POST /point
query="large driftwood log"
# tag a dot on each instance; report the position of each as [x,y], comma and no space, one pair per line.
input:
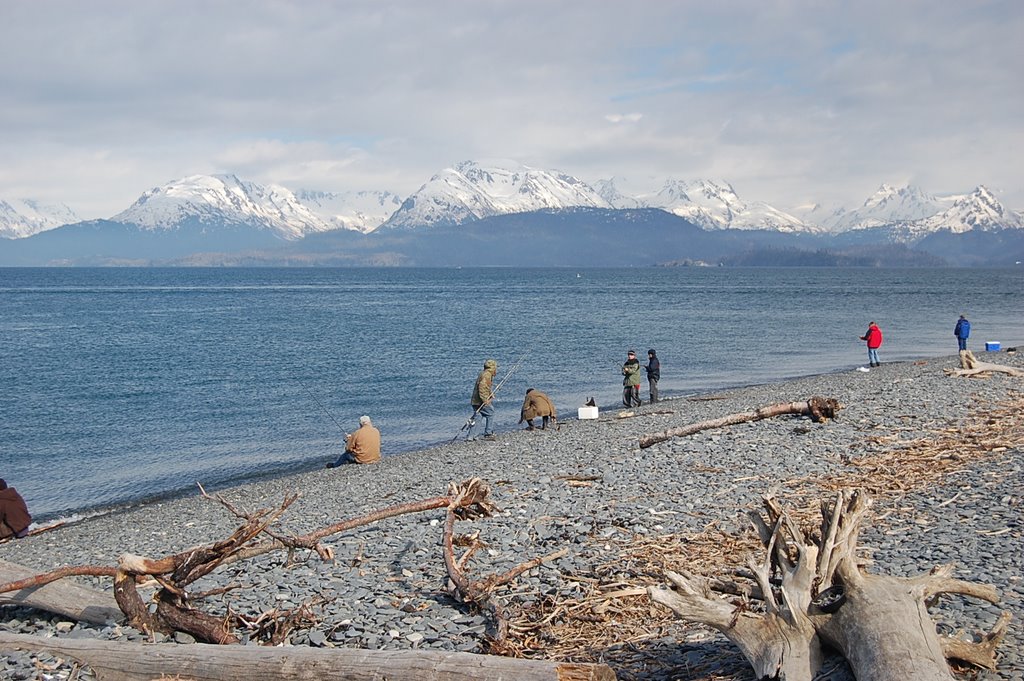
[813,587]
[818,408]
[145,662]
[972,367]
[63,598]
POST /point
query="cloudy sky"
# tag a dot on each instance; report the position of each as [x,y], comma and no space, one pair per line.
[790,101]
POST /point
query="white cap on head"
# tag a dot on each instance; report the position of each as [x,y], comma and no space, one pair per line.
[363,420]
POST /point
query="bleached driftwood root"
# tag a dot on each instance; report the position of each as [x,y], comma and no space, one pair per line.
[818,408]
[971,366]
[120,661]
[814,591]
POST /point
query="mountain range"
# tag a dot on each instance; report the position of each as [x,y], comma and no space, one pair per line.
[223,219]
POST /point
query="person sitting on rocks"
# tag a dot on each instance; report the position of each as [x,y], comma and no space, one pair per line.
[14,516]
[362,446]
[537,404]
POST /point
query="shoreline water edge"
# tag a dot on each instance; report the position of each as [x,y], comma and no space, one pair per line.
[589,488]
[130,384]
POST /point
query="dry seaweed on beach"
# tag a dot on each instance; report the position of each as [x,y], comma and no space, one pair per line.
[898,466]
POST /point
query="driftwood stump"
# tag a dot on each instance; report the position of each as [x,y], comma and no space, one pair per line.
[971,366]
[814,591]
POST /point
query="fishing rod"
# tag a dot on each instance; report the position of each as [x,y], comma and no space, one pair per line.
[471,421]
[323,408]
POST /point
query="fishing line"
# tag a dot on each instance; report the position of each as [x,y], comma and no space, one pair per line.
[322,407]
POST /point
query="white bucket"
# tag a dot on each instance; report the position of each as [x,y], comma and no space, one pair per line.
[586,413]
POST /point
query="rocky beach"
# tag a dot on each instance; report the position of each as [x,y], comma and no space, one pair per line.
[940,455]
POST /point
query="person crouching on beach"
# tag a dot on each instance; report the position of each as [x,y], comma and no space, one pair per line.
[631,380]
[14,516]
[873,336]
[482,400]
[362,446]
[537,404]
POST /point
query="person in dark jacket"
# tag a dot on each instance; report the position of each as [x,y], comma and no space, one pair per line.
[962,330]
[653,367]
[14,517]
[631,380]
[537,404]
[873,336]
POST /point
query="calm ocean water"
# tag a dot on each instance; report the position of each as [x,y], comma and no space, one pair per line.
[120,385]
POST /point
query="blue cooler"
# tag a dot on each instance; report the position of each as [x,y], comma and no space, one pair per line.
[992,346]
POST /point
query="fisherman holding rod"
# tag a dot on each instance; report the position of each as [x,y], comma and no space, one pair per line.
[483,396]
[362,446]
[482,400]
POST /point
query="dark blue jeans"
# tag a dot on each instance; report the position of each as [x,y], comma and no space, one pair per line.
[346,457]
[962,342]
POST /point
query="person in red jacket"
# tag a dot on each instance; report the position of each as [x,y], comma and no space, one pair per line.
[873,336]
[14,517]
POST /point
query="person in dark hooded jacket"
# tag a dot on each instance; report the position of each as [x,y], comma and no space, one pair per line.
[962,331]
[653,367]
[14,517]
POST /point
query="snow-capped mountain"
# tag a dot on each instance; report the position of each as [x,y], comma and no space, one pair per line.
[979,210]
[470,191]
[362,211]
[889,205]
[474,190]
[223,200]
[709,204]
[910,214]
[24,217]
[610,192]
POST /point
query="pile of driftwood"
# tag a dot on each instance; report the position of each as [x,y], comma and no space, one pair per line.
[176,609]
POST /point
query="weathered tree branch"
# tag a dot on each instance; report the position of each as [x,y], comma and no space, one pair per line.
[45,592]
[480,592]
[818,408]
[981,654]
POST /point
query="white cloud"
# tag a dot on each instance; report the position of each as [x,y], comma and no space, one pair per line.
[790,102]
[624,118]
